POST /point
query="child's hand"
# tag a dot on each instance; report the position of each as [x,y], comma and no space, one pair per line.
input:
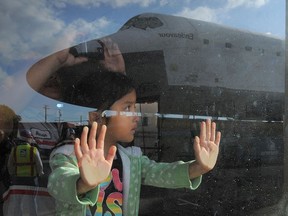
[207,146]
[94,167]
[66,59]
[113,60]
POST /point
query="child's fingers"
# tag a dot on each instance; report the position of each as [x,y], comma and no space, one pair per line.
[106,45]
[196,145]
[77,149]
[116,50]
[81,59]
[213,132]
[208,130]
[100,140]
[203,131]
[92,136]
[83,141]
[111,154]
[218,138]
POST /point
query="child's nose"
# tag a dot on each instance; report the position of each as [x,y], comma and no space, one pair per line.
[136,118]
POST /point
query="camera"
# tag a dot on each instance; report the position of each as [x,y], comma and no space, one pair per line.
[91,49]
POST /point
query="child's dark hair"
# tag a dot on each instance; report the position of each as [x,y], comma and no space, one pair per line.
[101,89]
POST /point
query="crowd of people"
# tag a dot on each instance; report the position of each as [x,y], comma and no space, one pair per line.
[22,164]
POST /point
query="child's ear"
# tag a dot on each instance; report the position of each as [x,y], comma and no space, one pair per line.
[95,116]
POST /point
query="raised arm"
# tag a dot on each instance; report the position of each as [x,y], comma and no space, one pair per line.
[42,75]
[206,148]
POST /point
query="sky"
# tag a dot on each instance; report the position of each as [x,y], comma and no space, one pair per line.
[33,29]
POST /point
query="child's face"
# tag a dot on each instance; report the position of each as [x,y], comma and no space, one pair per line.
[122,127]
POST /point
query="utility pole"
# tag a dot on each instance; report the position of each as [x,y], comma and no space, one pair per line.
[45,112]
[60,115]
[59,105]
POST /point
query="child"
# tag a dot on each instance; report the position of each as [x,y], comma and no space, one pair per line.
[104,174]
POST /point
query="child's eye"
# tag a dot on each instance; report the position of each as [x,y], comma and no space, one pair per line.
[130,108]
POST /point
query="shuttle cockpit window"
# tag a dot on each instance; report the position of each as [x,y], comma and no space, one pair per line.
[143,23]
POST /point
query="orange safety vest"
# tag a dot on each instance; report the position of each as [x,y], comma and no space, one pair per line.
[24,161]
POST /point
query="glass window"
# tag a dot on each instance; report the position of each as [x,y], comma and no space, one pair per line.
[151,71]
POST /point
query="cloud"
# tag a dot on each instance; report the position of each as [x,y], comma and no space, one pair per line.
[231,4]
[214,14]
[23,32]
[80,30]
[6,82]
[97,3]
[14,92]
[200,13]
[121,3]
[31,29]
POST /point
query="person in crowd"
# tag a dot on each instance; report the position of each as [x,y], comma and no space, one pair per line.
[8,130]
[24,159]
[25,167]
[66,141]
[67,135]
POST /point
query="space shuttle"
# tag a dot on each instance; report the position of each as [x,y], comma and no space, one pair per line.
[169,55]
[197,53]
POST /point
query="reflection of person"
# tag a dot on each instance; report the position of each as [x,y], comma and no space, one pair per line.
[8,127]
[24,166]
[67,135]
[43,78]
[104,174]
[24,159]
[67,138]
